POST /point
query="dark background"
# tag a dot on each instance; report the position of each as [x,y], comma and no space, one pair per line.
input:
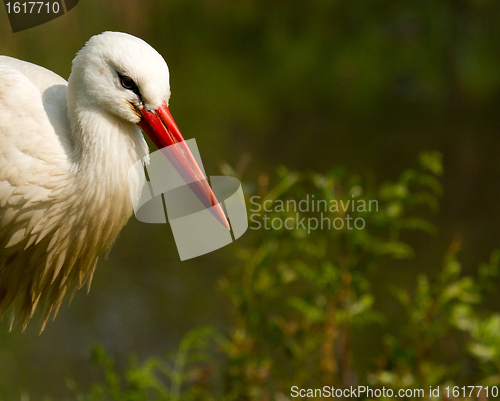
[310,85]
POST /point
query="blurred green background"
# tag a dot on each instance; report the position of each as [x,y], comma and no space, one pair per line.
[310,85]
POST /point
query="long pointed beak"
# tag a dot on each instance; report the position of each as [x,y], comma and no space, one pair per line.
[161,128]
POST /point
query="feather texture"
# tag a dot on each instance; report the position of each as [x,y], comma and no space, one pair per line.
[64,166]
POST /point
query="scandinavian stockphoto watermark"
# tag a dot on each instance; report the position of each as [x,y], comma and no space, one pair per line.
[309,214]
[161,194]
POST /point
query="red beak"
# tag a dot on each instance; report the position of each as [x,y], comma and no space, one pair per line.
[161,128]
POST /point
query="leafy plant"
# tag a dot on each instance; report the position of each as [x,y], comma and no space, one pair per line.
[187,372]
[301,292]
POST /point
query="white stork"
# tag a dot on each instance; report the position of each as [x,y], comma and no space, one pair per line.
[65,153]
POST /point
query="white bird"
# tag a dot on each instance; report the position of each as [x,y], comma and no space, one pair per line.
[65,153]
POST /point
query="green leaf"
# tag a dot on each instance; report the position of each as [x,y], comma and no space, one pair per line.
[432,161]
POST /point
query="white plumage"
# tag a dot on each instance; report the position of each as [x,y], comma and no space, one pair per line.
[65,154]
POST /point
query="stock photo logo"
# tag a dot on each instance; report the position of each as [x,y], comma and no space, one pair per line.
[28,14]
[309,214]
[170,195]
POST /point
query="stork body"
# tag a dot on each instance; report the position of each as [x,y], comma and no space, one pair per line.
[65,154]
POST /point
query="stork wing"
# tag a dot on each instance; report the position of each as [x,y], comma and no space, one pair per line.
[35,153]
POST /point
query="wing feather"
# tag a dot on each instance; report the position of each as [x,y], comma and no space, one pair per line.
[35,149]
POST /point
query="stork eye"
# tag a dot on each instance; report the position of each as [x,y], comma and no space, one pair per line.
[127,82]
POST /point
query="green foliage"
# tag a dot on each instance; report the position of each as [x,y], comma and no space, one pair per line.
[299,295]
[157,378]
[437,310]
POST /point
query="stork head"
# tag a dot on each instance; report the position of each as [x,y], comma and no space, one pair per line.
[120,74]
